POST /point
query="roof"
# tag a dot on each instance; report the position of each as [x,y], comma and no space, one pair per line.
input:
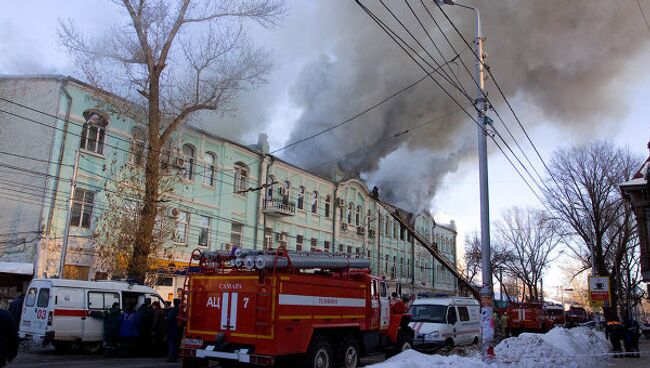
[110,285]
[446,301]
[640,177]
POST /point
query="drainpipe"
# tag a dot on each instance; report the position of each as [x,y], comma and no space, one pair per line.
[47,221]
[335,205]
[260,173]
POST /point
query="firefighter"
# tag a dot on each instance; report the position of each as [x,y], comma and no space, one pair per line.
[158,329]
[615,333]
[112,329]
[172,331]
[398,305]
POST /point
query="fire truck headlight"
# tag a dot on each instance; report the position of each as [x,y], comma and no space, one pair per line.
[219,337]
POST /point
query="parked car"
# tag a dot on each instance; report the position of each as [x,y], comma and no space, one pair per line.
[65,312]
[445,322]
[645,329]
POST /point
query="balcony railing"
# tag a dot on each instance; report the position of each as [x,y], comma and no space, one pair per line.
[279,207]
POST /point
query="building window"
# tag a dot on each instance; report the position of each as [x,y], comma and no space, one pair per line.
[340,248]
[386,264]
[182,222]
[204,235]
[314,203]
[188,165]
[369,220]
[210,169]
[402,232]
[285,190]
[314,244]
[269,188]
[349,250]
[326,246]
[138,144]
[241,178]
[93,132]
[82,208]
[408,267]
[299,242]
[350,213]
[268,239]
[357,216]
[386,228]
[236,231]
[284,240]
[395,230]
[301,198]
[328,206]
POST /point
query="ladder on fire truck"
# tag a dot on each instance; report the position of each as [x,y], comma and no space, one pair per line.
[463,283]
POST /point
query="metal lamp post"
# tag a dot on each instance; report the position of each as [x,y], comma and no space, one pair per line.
[487,294]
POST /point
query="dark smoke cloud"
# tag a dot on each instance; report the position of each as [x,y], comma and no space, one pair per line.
[563,57]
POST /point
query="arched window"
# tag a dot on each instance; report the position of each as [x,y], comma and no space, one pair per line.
[350,209]
[138,139]
[188,167]
[314,203]
[286,189]
[269,187]
[357,216]
[328,206]
[210,169]
[301,198]
[241,178]
[93,133]
[386,227]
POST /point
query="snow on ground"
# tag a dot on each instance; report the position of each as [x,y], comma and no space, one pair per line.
[566,348]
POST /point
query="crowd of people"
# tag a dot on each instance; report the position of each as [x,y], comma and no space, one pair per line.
[151,330]
[627,332]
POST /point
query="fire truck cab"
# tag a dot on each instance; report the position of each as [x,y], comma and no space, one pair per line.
[322,310]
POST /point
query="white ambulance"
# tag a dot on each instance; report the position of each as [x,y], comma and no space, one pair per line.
[445,322]
[66,312]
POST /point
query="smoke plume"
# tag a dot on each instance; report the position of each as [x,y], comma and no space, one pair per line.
[565,58]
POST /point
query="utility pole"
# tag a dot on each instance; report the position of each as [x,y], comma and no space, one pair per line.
[66,229]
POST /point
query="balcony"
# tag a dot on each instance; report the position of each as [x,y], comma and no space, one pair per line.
[361,230]
[279,207]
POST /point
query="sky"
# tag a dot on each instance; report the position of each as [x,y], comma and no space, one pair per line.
[330,62]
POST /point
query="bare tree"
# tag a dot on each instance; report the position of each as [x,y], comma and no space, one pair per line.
[584,195]
[527,238]
[473,260]
[174,59]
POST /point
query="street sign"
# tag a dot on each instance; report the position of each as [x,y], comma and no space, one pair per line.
[599,291]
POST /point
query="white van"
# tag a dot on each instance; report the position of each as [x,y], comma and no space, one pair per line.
[445,322]
[66,312]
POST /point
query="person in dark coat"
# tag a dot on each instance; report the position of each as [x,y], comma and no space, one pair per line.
[8,338]
[615,331]
[631,337]
[158,328]
[112,328]
[145,320]
[16,309]
[173,331]
[129,330]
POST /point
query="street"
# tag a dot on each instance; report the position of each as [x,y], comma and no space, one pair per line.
[47,357]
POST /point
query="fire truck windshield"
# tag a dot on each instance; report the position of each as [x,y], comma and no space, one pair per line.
[428,313]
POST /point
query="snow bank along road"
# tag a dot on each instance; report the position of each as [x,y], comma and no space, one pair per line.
[565,348]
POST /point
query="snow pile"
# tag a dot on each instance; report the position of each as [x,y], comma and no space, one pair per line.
[567,348]
[570,348]
[413,359]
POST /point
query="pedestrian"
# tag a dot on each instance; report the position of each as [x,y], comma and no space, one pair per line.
[112,329]
[8,338]
[173,331]
[158,329]
[631,340]
[16,309]
[129,332]
[504,323]
[145,321]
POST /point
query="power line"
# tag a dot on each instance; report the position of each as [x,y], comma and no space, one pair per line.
[643,14]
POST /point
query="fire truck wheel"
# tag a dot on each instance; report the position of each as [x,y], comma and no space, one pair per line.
[319,353]
[404,342]
[62,347]
[347,352]
[92,347]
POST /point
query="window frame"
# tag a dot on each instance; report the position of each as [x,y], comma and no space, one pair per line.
[328,206]
[207,229]
[39,298]
[239,233]
[80,205]
[186,225]
[300,242]
[210,169]
[241,179]
[188,167]
[100,126]
[138,149]
[463,314]
[314,203]
[103,294]
[301,198]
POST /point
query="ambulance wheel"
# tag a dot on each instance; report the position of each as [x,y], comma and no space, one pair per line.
[196,363]
[449,344]
[92,347]
[319,353]
[347,354]
[475,341]
[61,347]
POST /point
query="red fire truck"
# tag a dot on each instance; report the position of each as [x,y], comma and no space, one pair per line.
[527,317]
[264,307]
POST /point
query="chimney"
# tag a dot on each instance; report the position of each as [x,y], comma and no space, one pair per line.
[263,142]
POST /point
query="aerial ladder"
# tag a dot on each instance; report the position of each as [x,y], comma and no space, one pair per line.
[464,284]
